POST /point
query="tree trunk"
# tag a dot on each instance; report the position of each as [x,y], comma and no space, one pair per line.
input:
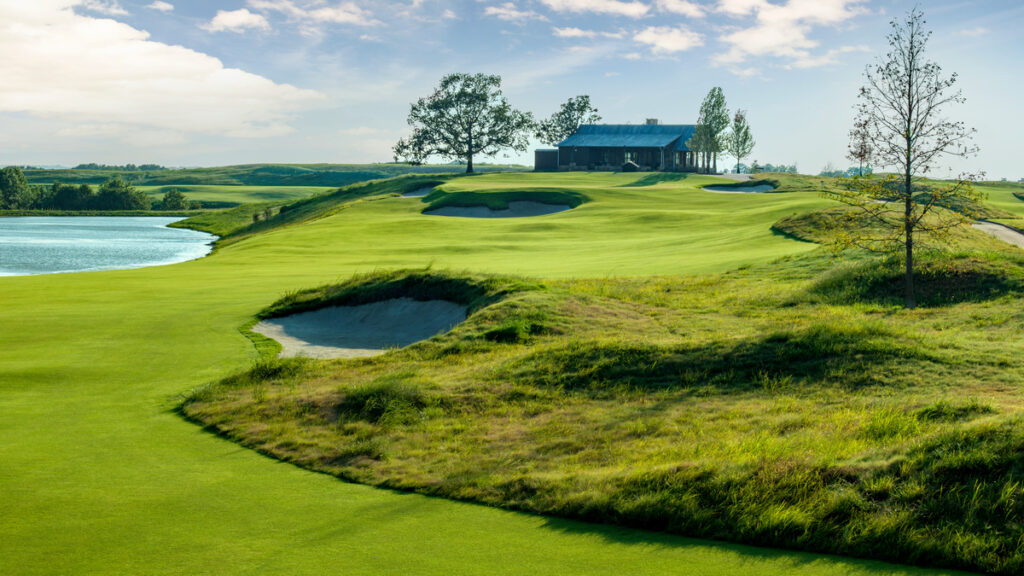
[714,169]
[908,229]
[469,155]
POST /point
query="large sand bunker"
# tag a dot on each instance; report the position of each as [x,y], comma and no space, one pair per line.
[367,330]
[516,209]
[741,189]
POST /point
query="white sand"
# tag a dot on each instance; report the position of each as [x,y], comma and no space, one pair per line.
[741,189]
[418,193]
[517,209]
[1004,233]
[367,330]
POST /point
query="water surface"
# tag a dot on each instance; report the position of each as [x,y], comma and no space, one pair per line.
[52,244]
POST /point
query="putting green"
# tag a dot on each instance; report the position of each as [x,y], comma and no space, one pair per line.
[98,475]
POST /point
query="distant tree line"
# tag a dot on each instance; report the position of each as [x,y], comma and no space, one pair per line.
[113,195]
[833,172]
[757,168]
[125,168]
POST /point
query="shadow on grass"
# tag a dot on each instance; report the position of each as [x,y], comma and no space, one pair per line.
[657,178]
[852,354]
[939,280]
[731,558]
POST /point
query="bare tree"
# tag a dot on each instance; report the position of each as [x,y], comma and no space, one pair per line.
[466,115]
[901,117]
[738,142]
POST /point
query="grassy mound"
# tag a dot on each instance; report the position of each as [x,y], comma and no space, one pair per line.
[472,291]
[499,199]
[750,184]
[729,406]
[249,219]
[940,279]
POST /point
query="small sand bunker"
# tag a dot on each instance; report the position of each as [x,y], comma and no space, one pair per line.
[419,192]
[367,330]
[516,209]
[740,189]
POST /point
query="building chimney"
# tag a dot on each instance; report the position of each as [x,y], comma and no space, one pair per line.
[651,122]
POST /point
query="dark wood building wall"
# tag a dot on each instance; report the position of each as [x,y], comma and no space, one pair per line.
[600,158]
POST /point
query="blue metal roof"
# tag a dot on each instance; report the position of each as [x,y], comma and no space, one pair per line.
[631,136]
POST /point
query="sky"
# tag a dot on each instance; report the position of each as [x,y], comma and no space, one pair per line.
[217,82]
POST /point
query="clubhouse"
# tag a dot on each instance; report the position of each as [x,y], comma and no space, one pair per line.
[645,147]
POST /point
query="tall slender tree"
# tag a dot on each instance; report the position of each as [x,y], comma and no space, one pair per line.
[700,144]
[574,113]
[466,116]
[738,141]
[714,116]
[902,116]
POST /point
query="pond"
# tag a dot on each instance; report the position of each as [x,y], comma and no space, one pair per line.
[49,245]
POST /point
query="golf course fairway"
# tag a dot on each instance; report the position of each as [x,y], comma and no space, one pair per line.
[99,475]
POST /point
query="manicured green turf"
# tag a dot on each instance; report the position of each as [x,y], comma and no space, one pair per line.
[99,475]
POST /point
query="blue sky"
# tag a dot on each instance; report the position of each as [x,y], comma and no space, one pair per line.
[194,83]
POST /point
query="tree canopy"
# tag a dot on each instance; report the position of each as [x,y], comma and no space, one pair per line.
[15,192]
[466,116]
[116,194]
[738,142]
[574,113]
[712,121]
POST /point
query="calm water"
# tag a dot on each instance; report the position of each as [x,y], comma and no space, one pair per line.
[47,245]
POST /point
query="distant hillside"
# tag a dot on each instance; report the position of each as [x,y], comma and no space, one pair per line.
[332,175]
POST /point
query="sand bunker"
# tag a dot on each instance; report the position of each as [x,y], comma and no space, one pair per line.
[1004,233]
[367,330]
[740,189]
[419,192]
[516,209]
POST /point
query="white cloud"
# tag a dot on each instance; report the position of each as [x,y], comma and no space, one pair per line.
[101,77]
[108,7]
[975,32]
[669,40]
[236,21]
[448,15]
[574,33]
[311,15]
[363,131]
[631,8]
[829,57]
[510,13]
[161,6]
[782,30]
[684,7]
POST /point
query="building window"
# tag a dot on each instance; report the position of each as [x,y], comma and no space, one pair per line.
[630,157]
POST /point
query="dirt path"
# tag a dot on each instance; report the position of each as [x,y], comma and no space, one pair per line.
[1004,233]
